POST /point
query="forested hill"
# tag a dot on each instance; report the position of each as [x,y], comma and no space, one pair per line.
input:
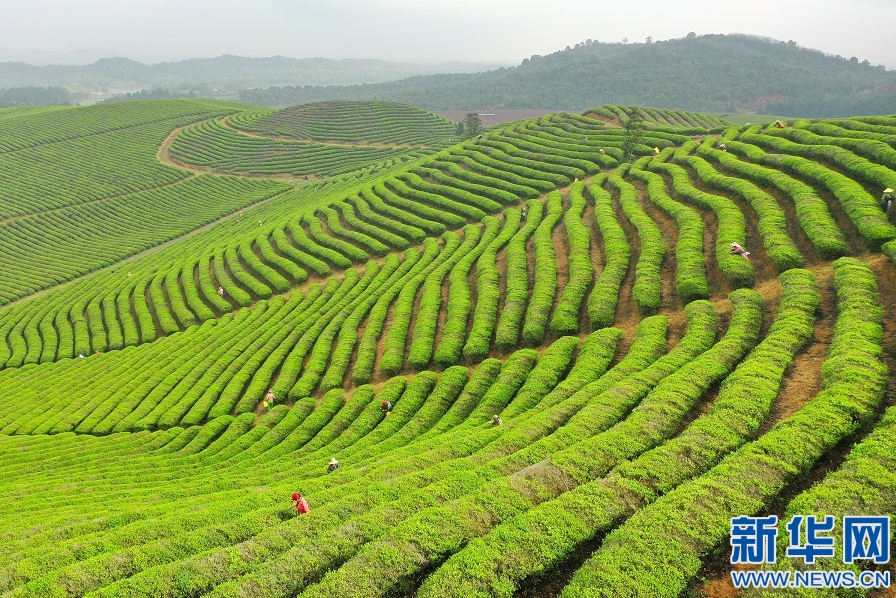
[705,73]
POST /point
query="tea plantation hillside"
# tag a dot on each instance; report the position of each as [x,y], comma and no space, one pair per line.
[82,188]
[352,122]
[318,139]
[540,367]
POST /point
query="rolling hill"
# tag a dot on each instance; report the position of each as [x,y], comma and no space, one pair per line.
[709,73]
[648,384]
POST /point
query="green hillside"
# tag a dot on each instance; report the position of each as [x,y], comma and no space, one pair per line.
[353,122]
[710,73]
[650,385]
[83,188]
[313,139]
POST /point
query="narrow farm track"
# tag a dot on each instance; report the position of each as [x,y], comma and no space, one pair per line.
[104,127]
[642,374]
[804,381]
[163,154]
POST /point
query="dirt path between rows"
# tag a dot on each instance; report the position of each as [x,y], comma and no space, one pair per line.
[801,383]
[163,154]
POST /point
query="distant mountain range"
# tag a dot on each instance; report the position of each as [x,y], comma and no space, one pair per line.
[710,73]
[79,56]
[223,72]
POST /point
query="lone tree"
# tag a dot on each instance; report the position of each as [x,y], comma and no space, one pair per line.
[634,135]
[459,129]
[472,124]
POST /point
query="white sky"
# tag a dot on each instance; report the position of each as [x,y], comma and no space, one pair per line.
[430,30]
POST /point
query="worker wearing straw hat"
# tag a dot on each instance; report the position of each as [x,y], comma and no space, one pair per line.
[886,200]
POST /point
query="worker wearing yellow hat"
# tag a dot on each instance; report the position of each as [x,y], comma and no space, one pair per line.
[887,199]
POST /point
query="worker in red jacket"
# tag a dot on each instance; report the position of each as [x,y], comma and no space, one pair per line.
[301,503]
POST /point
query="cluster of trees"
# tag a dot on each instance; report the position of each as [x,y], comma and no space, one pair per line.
[158,93]
[36,96]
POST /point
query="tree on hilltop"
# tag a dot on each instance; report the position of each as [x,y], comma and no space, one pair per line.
[473,124]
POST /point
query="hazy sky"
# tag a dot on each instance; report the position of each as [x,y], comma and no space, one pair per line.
[430,31]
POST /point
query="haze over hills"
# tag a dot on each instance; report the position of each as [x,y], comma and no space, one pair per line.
[79,56]
[232,72]
[714,73]
[736,73]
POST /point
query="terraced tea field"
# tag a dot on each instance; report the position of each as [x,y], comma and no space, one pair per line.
[166,265]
